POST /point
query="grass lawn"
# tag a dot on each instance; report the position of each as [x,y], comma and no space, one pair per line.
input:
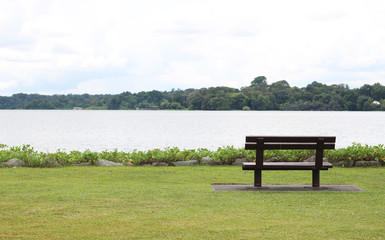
[179,203]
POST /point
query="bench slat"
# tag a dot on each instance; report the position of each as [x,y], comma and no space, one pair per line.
[294,139]
[286,166]
[287,146]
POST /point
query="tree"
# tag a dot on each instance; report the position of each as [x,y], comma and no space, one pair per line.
[382,106]
[219,103]
[164,104]
[239,100]
[280,85]
[366,90]
[114,104]
[194,100]
[175,105]
[260,80]
[262,102]
[281,91]
[378,92]
[364,103]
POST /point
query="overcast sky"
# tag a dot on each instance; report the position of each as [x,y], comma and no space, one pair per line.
[81,46]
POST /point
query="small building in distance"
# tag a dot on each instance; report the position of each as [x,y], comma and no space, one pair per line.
[377,103]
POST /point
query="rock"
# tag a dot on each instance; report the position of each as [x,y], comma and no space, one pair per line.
[367,164]
[312,159]
[186,163]
[339,164]
[207,161]
[103,162]
[349,163]
[13,163]
[130,164]
[273,159]
[239,161]
[49,162]
[83,164]
[162,164]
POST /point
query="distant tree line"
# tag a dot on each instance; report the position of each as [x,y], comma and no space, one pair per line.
[258,96]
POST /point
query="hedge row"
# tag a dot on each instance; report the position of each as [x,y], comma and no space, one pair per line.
[222,156]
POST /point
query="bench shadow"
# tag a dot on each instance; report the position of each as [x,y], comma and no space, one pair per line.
[282,188]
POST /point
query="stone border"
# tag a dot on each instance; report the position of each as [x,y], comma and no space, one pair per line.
[204,161]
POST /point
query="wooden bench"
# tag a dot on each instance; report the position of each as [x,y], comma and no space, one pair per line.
[261,143]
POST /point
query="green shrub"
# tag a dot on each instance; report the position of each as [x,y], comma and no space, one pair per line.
[357,152]
[227,155]
[223,155]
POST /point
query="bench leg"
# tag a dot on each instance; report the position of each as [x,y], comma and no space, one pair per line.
[315,178]
[257,178]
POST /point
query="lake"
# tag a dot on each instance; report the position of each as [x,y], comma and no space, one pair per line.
[49,130]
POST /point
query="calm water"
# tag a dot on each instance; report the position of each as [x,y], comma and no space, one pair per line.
[49,130]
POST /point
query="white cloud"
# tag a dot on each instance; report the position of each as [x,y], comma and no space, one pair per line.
[188,74]
[92,86]
[177,44]
[7,84]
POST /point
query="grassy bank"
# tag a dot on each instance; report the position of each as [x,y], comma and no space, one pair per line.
[221,156]
[178,203]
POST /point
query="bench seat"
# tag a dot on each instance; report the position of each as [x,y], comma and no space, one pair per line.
[286,166]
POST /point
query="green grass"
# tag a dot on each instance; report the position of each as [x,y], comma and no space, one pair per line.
[179,203]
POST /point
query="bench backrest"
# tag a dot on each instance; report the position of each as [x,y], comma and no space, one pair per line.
[318,143]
